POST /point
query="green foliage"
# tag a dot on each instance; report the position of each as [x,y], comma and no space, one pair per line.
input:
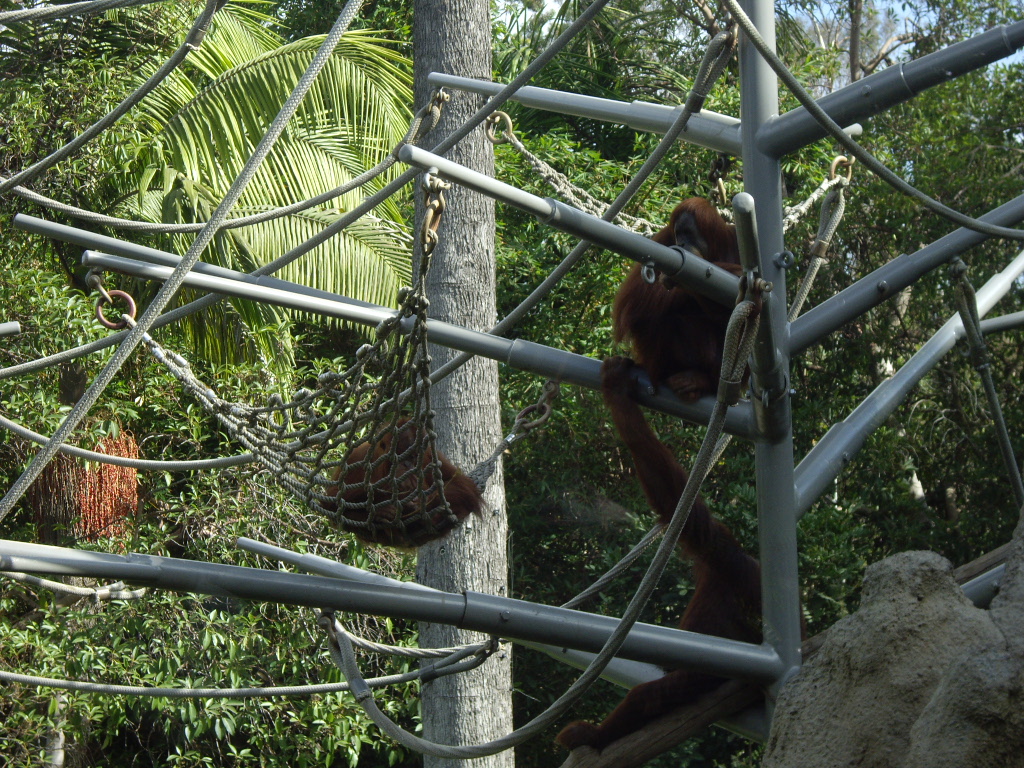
[574,505]
[165,639]
[206,121]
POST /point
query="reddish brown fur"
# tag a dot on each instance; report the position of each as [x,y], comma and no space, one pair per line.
[678,335]
[727,599]
[419,525]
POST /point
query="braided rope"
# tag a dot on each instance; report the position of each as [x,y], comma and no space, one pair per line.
[193,40]
[86,8]
[740,336]
[832,210]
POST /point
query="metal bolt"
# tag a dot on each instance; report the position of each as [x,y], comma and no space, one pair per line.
[883,286]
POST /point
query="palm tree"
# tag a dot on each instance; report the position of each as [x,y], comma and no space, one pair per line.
[207,119]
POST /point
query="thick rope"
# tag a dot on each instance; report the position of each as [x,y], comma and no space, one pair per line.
[417,129]
[125,461]
[173,283]
[87,8]
[967,306]
[851,146]
[115,591]
[740,336]
[193,40]
[831,216]
[427,672]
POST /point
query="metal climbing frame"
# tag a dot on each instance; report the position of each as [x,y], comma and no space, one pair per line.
[784,491]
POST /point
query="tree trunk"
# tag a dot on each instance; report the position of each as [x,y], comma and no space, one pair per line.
[454,36]
[856,9]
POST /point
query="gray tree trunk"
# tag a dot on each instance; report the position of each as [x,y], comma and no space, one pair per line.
[454,36]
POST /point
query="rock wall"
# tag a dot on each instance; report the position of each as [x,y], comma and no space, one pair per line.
[917,678]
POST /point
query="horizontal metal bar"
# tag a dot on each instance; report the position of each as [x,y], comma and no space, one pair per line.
[501,616]
[891,86]
[705,128]
[1010,322]
[981,589]
[12,328]
[519,353]
[624,672]
[675,263]
[888,280]
[96,242]
[840,444]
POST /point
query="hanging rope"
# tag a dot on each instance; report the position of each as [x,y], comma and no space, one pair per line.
[967,306]
[828,222]
[423,122]
[740,336]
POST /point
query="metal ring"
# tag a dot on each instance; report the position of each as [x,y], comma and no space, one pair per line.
[128,313]
[648,273]
[842,160]
[495,119]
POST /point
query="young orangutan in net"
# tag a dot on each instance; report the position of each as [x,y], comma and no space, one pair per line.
[410,518]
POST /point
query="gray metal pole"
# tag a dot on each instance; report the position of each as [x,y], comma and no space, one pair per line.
[519,353]
[774,458]
[891,86]
[624,672]
[129,250]
[675,263]
[888,280]
[1010,322]
[12,328]
[706,129]
[500,616]
[842,442]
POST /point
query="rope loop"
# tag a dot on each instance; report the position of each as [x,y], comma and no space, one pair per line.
[507,134]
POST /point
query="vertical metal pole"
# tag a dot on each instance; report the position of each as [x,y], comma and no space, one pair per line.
[774,456]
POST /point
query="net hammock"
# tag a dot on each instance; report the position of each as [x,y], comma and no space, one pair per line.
[360,446]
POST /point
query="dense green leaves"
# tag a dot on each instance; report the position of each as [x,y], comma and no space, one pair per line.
[929,478]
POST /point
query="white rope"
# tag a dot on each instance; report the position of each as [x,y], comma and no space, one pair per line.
[86,8]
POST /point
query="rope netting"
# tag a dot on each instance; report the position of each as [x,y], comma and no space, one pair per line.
[359,446]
